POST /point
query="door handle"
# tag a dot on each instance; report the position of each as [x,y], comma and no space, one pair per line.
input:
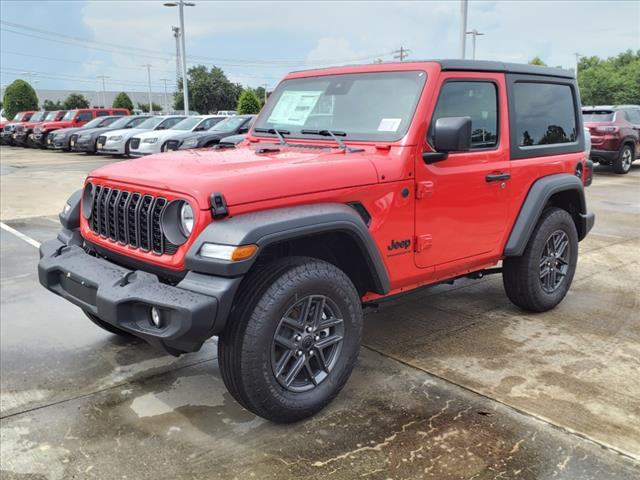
[497,177]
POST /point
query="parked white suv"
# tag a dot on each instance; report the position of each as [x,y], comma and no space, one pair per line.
[156,141]
[118,142]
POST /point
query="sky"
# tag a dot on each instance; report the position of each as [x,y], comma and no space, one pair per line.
[67,44]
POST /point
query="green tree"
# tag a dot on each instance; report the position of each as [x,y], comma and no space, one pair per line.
[75,100]
[209,90]
[248,103]
[537,61]
[145,107]
[50,105]
[123,100]
[611,81]
[19,96]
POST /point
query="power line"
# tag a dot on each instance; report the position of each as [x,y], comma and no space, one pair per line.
[63,38]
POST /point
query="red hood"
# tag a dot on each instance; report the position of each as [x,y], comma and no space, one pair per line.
[56,125]
[243,175]
[31,124]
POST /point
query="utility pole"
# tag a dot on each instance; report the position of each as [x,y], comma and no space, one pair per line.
[104,91]
[402,53]
[185,84]
[265,85]
[166,101]
[148,67]
[474,33]
[578,57]
[464,6]
[30,75]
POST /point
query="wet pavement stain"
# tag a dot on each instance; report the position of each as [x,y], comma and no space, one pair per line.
[390,422]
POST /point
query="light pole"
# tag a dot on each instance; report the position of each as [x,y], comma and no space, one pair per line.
[475,33]
[104,91]
[166,101]
[185,87]
[578,57]
[464,4]
[148,67]
[265,85]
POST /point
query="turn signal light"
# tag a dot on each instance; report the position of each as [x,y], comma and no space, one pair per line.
[230,253]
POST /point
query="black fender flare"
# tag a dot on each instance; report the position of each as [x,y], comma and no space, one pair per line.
[539,194]
[266,227]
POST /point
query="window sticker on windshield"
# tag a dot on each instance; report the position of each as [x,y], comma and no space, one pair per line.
[294,107]
[389,124]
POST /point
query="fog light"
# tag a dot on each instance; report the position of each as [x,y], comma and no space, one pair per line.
[155,317]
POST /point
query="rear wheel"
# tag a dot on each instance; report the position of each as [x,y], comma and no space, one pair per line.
[623,163]
[107,326]
[540,278]
[292,339]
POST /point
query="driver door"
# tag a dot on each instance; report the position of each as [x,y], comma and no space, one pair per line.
[462,201]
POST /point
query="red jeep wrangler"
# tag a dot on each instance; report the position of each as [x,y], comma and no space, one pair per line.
[355,184]
[73,119]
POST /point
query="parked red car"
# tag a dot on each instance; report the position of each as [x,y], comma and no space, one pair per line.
[73,118]
[615,135]
[8,129]
[24,131]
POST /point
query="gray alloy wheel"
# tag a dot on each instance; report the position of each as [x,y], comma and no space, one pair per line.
[624,160]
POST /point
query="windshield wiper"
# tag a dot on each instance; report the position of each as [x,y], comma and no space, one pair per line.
[333,134]
[275,131]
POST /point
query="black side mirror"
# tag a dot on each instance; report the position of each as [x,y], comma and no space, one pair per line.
[450,134]
[243,130]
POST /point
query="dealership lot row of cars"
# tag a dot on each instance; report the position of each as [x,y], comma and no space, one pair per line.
[114,131]
[614,132]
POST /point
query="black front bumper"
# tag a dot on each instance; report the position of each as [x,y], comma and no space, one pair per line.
[192,311]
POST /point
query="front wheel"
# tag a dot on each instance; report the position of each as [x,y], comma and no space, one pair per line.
[292,339]
[539,279]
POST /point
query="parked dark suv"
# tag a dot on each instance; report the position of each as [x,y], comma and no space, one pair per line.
[615,135]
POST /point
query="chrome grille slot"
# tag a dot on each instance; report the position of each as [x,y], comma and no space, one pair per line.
[130,218]
[102,139]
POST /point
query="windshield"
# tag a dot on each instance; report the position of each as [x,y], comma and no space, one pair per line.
[597,115]
[51,116]
[120,122]
[187,123]
[18,116]
[150,123]
[69,115]
[38,116]
[228,124]
[365,106]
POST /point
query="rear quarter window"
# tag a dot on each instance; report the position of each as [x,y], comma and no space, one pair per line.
[544,116]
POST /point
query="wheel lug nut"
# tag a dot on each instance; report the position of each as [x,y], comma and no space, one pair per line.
[299,353]
[316,338]
[298,338]
[308,329]
[311,352]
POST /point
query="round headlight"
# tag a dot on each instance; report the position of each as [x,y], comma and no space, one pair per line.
[87,200]
[186,219]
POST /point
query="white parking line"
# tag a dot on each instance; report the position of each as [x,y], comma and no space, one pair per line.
[20,235]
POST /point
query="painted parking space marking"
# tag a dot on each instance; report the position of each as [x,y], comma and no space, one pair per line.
[20,235]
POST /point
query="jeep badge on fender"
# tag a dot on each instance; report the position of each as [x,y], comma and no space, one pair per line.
[313,201]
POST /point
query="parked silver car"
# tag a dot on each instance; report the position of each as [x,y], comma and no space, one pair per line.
[118,142]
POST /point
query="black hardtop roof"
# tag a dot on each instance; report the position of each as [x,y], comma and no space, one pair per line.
[479,66]
[490,66]
[608,107]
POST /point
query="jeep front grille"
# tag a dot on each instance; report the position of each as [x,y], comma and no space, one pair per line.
[130,218]
[135,143]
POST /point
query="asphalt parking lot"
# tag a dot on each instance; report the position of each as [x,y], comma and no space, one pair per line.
[452,381]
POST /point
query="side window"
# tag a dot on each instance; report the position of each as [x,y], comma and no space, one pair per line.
[168,123]
[102,113]
[118,112]
[544,114]
[634,116]
[207,124]
[84,116]
[478,100]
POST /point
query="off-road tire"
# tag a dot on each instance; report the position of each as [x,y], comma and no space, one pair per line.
[245,346]
[622,164]
[107,326]
[521,276]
